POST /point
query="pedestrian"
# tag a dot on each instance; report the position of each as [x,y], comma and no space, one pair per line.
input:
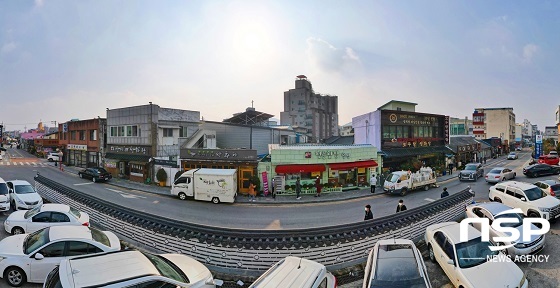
[318,187]
[484,159]
[368,215]
[401,207]
[450,167]
[298,189]
[272,191]
[252,192]
[444,193]
[373,182]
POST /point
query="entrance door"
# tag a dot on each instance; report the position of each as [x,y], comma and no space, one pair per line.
[245,175]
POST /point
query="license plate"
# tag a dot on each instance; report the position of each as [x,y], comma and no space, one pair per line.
[536,248]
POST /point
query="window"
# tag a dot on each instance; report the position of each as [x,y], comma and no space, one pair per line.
[478,212]
[183,132]
[448,249]
[440,238]
[500,188]
[82,135]
[42,217]
[120,131]
[183,180]
[54,250]
[76,248]
[153,284]
[59,217]
[113,131]
[72,135]
[323,283]
[167,132]
[132,131]
[510,192]
[92,135]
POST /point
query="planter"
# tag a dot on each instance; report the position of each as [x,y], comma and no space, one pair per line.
[162,183]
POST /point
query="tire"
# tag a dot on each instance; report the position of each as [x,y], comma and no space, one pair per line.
[17,230]
[50,160]
[514,174]
[498,200]
[15,276]
[427,187]
[216,200]
[504,179]
[403,192]
[536,175]
[431,253]
[533,214]
[182,196]
[13,206]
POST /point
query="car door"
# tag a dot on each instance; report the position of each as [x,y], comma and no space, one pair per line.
[508,173]
[38,222]
[52,254]
[449,254]
[509,197]
[58,218]
[182,185]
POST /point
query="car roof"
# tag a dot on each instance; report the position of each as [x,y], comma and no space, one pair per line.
[500,168]
[520,185]
[19,182]
[452,231]
[114,266]
[55,207]
[293,272]
[69,232]
[492,207]
[549,182]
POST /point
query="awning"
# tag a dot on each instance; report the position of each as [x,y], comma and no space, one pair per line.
[350,165]
[169,126]
[409,152]
[289,169]
[128,157]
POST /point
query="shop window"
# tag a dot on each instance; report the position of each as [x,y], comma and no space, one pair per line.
[92,135]
[392,132]
[82,135]
[167,132]
[136,170]
[399,132]
[405,132]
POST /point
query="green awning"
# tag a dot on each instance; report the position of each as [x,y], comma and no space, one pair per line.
[128,157]
[409,152]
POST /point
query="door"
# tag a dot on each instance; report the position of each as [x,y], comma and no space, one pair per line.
[58,219]
[39,221]
[245,175]
[53,253]
[183,184]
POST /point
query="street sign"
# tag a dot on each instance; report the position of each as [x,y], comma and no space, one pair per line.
[538,139]
[538,150]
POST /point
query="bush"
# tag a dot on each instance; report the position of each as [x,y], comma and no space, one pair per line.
[161,175]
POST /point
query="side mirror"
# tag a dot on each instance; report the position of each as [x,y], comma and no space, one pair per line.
[39,256]
[450,262]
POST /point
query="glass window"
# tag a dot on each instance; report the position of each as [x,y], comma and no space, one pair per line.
[386,132]
[448,249]
[392,132]
[183,132]
[32,212]
[75,212]
[42,217]
[473,253]
[166,268]
[24,189]
[534,194]
[440,238]
[420,132]
[76,248]
[183,180]
[405,132]
[120,131]
[72,135]
[35,240]
[82,135]
[3,189]
[415,132]
[113,131]
[399,132]
[100,236]
[167,132]
[323,284]
[54,250]
[57,217]
[92,135]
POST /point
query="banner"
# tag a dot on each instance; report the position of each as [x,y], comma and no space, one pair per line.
[265,183]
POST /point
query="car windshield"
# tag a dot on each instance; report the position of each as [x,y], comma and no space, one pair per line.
[75,213]
[24,189]
[512,153]
[473,253]
[534,193]
[470,167]
[32,212]
[495,171]
[392,178]
[397,267]
[100,170]
[3,189]
[35,240]
[511,215]
[166,268]
[100,237]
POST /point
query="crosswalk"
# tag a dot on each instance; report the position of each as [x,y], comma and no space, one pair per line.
[24,163]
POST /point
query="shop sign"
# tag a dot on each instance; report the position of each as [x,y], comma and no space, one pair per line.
[219,154]
[110,164]
[76,147]
[361,170]
[129,149]
[265,183]
[169,163]
[331,154]
[412,119]
[467,148]
[315,174]
[446,130]
[416,143]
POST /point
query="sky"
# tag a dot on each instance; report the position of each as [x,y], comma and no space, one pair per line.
[62,60]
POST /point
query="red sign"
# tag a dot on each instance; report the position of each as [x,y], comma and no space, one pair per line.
[265,183]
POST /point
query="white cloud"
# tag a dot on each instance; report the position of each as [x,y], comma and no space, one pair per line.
[325,56]
[39,3]
[529,51]
[8,47]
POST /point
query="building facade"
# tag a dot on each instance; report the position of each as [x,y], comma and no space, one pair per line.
[494,122]
[458,126]
[551,132]
[83,142]
[346,130]
[317,113]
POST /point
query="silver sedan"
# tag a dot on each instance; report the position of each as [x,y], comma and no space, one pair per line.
[498,174]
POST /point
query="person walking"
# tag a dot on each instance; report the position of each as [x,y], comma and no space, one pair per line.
[401,207]
[318,187]
[252,192]
[450,167]
[298,189]
[273,192]
[444,193]
[368,215]
[373,182]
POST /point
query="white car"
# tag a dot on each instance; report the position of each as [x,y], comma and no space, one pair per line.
[30,257]
[46,215]
[512,156]
[528,197]
[53,156]
[465,263]
[310,274]
[4,196]
[492,211]
[130,268]
[23,195]
[550,187]
[395,263]
[498,174]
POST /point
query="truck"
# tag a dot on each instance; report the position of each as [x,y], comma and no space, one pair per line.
[400,182]
[216,185]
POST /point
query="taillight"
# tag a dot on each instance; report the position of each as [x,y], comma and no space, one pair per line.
[551,192]
[497,177]
[86,224]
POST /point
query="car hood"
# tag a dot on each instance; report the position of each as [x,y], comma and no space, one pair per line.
[17,216]
[503,274]
[12,245]
[546,202]
[468,171]
[31,197]
[194,270]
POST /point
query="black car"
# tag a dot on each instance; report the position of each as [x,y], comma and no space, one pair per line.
[537,170]
[472,171]
[96,174]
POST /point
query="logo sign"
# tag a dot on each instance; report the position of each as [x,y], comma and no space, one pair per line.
[65,127]
[538,138]
[393,118]
[512,234]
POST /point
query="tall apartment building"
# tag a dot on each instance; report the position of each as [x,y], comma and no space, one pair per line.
[316,113]
[494,122]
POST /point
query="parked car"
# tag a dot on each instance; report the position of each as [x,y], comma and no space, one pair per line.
[498,174]
[46,215]
[518,148]
[537,170]
[472,171]
[23,195]
[528,197]
[493,211]
[395,263]
[549,159]
[53,156]
[512,156]
[310,274]
[30,257]
[130,268]
[96,174]
[550,187]
[4,196]
[553,153]
[465,262]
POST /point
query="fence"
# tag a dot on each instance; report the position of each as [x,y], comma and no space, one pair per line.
[239,252]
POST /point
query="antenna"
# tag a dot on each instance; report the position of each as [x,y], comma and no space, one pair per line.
[299,264]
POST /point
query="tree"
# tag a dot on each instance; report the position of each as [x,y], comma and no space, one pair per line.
[161,175]
[548,145]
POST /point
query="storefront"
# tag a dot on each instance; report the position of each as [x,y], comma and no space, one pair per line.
[129,162]
[338,167]
[244,160]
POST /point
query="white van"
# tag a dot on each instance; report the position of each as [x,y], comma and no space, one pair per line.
[4,196]
[295,272]
[216,185]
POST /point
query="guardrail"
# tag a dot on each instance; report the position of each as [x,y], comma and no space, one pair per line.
[250,252]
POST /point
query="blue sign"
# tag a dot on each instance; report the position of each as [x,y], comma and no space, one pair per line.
[65,127]
[538,150]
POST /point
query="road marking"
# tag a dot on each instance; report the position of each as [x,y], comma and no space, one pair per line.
[155,202]
[274,225]
[88,183]
[21,163]
[125,195]
[429,199]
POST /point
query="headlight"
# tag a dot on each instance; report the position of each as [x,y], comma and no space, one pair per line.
[544,209]
[519,245]
[523,280]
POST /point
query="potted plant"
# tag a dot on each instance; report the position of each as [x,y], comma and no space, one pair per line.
[161,176]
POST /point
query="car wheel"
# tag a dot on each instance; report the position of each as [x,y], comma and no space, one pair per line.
[498,200]
[427,187]
[514,174]
[17,230]
[182,196]
[431,253]
[504,179]
[50,160]
[557,172]
[216,200]
[15,276]
[536,175]
[533,215]
[13,206]
[403,192]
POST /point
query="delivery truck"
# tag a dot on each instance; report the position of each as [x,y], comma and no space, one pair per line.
[400,182]
[216,185]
